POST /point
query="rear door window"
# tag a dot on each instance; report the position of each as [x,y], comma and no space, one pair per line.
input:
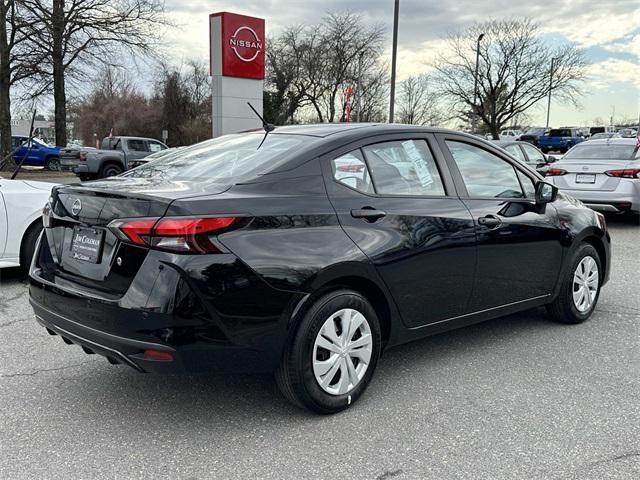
[404,167]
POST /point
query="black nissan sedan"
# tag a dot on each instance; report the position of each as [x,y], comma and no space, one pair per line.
[307,251]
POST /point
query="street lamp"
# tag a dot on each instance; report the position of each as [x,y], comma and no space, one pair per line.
[553,60]
[475,82]
[394,51]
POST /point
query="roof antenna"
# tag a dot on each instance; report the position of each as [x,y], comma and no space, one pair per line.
[268,127]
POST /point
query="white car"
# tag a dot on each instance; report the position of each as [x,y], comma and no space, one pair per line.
[21,203]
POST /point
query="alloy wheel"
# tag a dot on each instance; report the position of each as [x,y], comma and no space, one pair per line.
[342,351]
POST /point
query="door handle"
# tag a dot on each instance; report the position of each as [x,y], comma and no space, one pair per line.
[490,221]
[370,214]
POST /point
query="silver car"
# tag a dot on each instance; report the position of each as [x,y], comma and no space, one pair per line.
[603,174]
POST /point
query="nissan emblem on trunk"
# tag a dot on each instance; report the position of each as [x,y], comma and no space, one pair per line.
[76,206]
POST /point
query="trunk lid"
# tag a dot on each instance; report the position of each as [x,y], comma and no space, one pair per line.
[80,215]
[583,174]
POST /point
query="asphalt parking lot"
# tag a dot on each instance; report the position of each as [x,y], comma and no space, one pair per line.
[515,398]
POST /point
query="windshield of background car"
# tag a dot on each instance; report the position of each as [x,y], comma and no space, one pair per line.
[601,152]
[561,132]
[224,158]
[535,131]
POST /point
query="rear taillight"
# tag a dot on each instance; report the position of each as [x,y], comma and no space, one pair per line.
[554,172]
[624,173]
[351,168]
[83,155]
[176,234]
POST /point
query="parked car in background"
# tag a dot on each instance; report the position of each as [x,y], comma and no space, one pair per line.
[628,133]
[252,252]
[21,203]
[506,134]
[509,134]
[602,129]
[111,159]
[605,135]
[526,153]
[35,153]
[603,174]
[532,135]
[560,139]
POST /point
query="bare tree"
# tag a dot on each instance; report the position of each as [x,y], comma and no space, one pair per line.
[345,40]
[513,73]
[310,68]
[287,79]
[17,61]
[77,34]
[418,104]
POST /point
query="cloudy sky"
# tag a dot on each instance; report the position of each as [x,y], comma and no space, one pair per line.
[609,31]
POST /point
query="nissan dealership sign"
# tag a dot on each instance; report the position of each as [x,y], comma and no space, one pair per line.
[237,45]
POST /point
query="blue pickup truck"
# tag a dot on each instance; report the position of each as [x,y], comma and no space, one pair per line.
[40,154]
[560,139]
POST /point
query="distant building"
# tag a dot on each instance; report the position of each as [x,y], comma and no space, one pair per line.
[42,129]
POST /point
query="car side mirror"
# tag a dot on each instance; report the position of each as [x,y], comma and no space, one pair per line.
[545,193]
[550,158]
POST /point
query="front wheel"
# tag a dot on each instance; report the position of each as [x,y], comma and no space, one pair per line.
[580,287]
[331,357]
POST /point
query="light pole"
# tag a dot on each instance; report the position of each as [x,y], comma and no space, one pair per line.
[394,51]
[475,82]
[359,86]
[553,60]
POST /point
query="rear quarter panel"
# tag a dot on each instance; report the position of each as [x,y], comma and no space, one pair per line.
[294,241]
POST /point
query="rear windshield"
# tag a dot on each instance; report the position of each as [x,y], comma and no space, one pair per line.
[224,158]
[602,152]
[561,132]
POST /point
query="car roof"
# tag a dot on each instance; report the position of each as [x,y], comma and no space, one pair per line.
[610,141]
[506,143]
[324,130]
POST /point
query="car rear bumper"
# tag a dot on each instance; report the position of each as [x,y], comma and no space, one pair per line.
[625,198]
[209,312]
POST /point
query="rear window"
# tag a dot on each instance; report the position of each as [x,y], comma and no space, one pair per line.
[560,132]
[601,152]
[224,158]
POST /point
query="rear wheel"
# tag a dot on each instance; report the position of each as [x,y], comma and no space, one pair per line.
[580,287]
[331,358]
[111,170]
[53,164]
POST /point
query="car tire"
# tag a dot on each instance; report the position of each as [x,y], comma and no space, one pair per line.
[345,371]
[53,164]
[111,170]
[578,294]
[28,245]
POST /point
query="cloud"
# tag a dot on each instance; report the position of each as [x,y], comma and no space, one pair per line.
[614,70]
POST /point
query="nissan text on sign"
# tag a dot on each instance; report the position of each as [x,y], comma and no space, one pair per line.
[237,44]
